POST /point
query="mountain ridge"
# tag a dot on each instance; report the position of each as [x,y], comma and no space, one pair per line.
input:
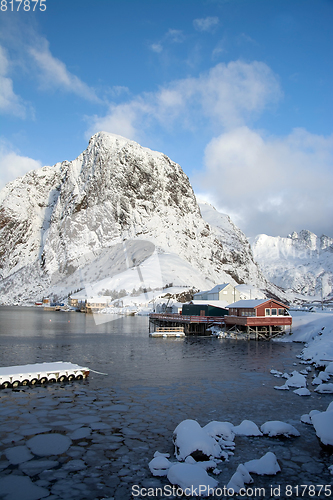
[58,223]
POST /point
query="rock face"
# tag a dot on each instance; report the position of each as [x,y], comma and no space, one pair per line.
[302,263]
[65,224]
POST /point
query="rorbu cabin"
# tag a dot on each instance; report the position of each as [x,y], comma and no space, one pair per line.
[204,308]
[266,318]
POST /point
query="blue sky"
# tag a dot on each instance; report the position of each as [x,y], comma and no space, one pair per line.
[238,92]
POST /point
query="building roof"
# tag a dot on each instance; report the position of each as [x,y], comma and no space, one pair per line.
[218,288]
[252,304]
[215,303]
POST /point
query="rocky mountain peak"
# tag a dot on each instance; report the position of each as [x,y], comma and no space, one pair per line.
[59,224]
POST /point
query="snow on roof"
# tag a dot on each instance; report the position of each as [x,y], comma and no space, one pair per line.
[215,303]
[218,288]
[249,304]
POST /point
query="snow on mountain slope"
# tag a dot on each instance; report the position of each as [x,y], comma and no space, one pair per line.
[302,263]
[237,252]
[64,226]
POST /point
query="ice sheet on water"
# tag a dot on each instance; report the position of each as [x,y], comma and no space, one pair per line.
[18,455]
[14,487]
[81,433]
[49,444]
[34,467]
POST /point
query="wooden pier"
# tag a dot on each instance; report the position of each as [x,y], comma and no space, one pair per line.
[170,331]
[192,325]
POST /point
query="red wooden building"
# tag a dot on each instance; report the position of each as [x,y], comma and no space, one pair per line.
[265,318]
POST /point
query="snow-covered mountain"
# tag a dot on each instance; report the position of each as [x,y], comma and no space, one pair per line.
[301,263]
[107,212]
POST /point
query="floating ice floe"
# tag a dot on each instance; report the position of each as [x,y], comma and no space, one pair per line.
[49,444]
[18,455]
[331,469]
[191,477]
[266,465]
[14,487]
[34,467]
[239,479]
[247,428]
[277,428]
[325,388]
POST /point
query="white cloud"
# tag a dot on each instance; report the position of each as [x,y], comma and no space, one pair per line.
[206,24]
[13,165]
[226,96]
[10,103]
[53,72]
[274,185]
[156,47]
[175,36]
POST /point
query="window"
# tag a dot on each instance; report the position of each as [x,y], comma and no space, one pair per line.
[267,312]
[281,312]
[274,312]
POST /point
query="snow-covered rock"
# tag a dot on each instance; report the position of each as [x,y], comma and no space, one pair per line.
[192,479]
[303,391]
[159,466]
[325,388]
[266,465]
[277,428]
[216,429]
[296,380]
[247,428]
[191,439]
[239,479]
[323,424]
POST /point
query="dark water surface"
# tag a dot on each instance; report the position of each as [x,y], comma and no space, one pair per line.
[164,381]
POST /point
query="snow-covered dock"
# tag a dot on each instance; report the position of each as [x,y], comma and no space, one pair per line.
[14,376]
[177,331]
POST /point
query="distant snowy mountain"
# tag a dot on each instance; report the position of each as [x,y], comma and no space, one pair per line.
[301,264]
[117,208]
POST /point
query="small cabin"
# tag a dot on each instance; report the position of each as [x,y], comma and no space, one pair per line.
[265,317]
[258,308]
[204,308]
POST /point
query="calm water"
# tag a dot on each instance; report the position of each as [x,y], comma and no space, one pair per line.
[155,383]
[221,372]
